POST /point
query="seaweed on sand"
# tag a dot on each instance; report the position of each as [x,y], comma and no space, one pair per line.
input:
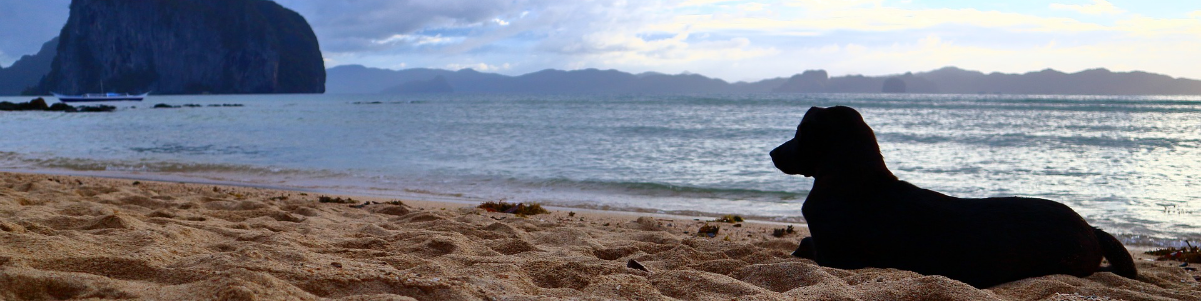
[338,200]
[729,219]
[520,209]
[1189,254]
[708,231]
[783,231]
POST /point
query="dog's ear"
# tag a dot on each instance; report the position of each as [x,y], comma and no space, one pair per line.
[850,144]
[850,132]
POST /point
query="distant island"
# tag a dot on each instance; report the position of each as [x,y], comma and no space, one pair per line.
[950,80]
[174,47]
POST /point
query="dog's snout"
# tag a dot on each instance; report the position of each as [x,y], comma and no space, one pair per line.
[784,150]
[778,153]
[783,158]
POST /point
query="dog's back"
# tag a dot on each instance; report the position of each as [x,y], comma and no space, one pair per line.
[982,242]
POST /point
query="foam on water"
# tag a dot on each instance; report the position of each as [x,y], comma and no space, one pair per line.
[1127,164]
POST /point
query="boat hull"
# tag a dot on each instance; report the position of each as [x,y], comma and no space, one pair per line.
[84,98]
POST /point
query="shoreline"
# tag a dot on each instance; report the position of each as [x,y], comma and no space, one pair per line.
[66,237]
[364,193]
[1132,241]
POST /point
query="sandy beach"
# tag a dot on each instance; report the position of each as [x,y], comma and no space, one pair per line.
[65,237]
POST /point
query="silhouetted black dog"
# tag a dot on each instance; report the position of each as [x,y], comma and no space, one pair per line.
[860,216]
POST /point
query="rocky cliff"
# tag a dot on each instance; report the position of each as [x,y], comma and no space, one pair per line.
[185,47]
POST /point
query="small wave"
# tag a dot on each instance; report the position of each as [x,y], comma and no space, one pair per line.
[77,164]
[660,189]
[1157,242]
[698,212]
[194,150]
[1017,140]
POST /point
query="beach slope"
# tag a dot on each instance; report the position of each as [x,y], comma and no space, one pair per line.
[67,237]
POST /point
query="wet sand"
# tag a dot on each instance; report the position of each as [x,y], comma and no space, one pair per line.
[64,237]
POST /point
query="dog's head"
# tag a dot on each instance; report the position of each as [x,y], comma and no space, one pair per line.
[830,141]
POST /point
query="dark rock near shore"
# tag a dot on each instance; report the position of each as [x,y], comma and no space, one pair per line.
[39,104]
[97,108]
[185,47]
[61,107]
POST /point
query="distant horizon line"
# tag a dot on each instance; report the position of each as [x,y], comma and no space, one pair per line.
[769,78]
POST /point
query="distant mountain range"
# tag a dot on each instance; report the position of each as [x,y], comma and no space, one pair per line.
[359,79]
[356,79]
[363,80]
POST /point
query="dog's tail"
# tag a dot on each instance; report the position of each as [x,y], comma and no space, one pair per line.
[1120,261]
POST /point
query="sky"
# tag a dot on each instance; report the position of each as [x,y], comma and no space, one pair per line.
[731,40]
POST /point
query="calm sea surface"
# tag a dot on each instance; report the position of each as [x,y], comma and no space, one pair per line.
[1131,165]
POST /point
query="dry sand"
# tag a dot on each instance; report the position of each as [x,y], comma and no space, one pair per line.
[88,238]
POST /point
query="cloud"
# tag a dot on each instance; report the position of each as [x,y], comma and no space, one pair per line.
[1156,27]
[354,26]
[480,67]
[416,40]
[752,7]
[1099,7]
[875,19]
[826,5]
[702,2]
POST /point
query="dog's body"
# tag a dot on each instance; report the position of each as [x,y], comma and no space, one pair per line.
[860,215]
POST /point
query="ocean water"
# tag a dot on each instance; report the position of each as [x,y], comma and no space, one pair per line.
[1130,165]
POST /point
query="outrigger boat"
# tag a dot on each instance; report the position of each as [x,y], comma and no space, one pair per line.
[94,97]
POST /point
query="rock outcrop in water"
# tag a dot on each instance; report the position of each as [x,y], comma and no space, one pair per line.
[27,71]
[39,104]
[185,47]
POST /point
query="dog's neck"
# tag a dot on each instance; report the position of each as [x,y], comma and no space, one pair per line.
[850,169]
